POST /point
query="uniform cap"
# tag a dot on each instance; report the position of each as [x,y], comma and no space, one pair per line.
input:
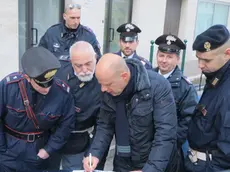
[128,32]
[169,43]
[212,38]
[40,63]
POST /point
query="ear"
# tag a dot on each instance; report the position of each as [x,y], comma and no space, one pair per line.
[227,52]
[125,76]
[64,16]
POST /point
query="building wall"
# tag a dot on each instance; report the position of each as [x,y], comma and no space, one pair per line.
[9,37]
[149,15]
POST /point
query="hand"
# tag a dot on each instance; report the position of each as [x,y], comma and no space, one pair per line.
[43,154]
[86,163]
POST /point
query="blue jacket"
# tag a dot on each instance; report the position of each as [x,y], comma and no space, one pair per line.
[54,110]
[152,120]
[145,62]
[210,126]
[186,99]
[58,39]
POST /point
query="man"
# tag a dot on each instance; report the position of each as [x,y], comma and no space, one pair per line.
[129,41]
[59,38]
[32,104]
[138,107]
[209,134]
[168,57]
[79,75]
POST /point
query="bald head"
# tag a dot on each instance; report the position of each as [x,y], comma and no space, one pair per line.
[111,63]
[83,59]
[112,73]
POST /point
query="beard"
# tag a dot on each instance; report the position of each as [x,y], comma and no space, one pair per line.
[85,77]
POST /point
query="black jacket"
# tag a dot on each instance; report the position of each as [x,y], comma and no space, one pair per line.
[58,39]
[152,119]
[186,99]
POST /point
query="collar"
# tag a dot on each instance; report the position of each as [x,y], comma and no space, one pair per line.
[129,57]
[167,74]
[65,30]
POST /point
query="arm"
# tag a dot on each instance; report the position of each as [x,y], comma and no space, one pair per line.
[64,127]
[94,42]
[165,122]
[44,41]
[185,109]
[104,132]
[2,106]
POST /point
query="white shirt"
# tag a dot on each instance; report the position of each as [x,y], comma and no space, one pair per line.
[129,57]
[167,74]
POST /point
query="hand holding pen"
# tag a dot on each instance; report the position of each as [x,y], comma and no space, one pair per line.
[90,163]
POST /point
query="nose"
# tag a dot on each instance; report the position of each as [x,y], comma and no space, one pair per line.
[103,88]
[200,64]
[84,69]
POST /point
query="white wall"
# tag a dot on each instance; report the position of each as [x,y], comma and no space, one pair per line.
[149,15]
[9,37]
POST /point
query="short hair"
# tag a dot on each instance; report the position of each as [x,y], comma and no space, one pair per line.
[82,46]
[72,6]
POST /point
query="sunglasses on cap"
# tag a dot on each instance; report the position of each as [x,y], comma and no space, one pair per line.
[73,6]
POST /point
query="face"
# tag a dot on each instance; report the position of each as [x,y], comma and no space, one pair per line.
[128,48]
[112,83]
[38,88]
[167,62]
[210,61]
[72,18]
[84,65]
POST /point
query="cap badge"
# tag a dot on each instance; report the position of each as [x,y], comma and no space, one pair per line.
[50,74]
[129,27]
[169,39]
[207,46]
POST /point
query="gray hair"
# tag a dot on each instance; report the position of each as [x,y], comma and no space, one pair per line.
[72,6]
[82,46]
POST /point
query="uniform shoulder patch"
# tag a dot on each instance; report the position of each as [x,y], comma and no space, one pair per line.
[186,79]
[63,85]
[14,77]
[64,58]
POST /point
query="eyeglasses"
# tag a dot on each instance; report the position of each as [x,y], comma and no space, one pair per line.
[73,6]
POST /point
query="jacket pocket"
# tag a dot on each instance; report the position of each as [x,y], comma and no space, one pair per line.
[142,115]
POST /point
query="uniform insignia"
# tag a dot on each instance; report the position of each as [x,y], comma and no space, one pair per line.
[50,74]
[56,46]
[215,81]
[82,85]
[63,85]
[169,39]
[129,27]
[202,109]
[207,46]
[14,77]
[77,109]
[64,57]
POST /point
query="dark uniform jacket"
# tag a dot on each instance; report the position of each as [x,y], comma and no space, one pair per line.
[58,39]
[210,125]
[145,62]
[152,119]
[54,110]
[87,104]
[186,100]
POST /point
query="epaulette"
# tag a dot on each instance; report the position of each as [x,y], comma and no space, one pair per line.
[64,58]
[143,60]
[63,85]
[55,25]
[14,77]
[186,79]
[88,29]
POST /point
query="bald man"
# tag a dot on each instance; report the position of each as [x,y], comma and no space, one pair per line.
[78,73]
[139,108]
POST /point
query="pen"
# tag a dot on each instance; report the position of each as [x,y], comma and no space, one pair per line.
[90,160]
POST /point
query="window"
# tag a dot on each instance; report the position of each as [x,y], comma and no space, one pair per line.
[210,13]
